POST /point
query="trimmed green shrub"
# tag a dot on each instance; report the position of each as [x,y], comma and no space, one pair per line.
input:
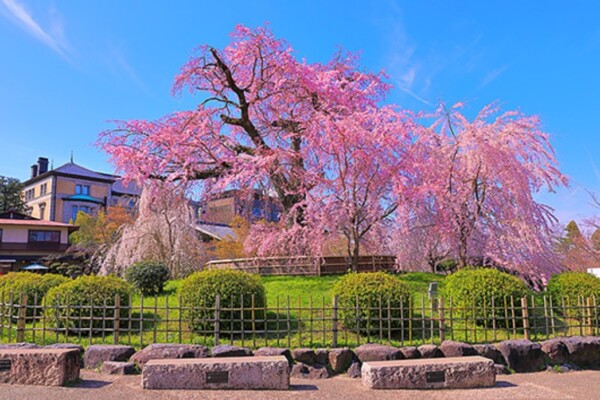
[236,290]
[33,286]
[361,296]
[149,277]
[573,285]
[72,304]
[473,291]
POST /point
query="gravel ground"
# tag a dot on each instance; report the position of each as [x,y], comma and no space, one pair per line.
[583,385]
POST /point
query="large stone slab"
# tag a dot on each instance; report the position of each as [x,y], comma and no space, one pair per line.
[218,373]
[439,373]
[48,367]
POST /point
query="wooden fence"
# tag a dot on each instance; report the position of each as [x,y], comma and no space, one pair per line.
[293,322]
[305,265]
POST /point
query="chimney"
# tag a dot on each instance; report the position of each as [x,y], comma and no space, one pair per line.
[34,171]
[42,165]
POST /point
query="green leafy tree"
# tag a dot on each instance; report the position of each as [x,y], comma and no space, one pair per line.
[10,195]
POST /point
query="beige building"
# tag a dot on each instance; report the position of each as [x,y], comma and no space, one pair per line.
[252,206]
[59,194]
[24,240]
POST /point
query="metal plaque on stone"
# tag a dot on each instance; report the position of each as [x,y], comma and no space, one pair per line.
[435,377]
[5,365]
[217,377]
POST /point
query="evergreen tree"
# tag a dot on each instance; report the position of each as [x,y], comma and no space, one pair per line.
[10,195]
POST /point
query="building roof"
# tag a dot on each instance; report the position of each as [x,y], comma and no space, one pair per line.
[15,215]
[84,197]
[216,231]
[74,170]
[36,223]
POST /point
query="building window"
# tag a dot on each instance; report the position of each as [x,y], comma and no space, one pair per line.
[76,209]
[43,189]
[44,236]
[29,194]
[42,210]
[0,235]
[82,189]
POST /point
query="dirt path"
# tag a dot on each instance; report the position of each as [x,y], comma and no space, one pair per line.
[584,385]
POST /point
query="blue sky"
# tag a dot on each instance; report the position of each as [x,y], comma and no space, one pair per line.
[69,67]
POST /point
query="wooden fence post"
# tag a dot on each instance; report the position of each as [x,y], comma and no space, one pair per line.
[525,317]
[21,318]
[442,321]
[589,316]
[217,319]
[334,339]
[117,317]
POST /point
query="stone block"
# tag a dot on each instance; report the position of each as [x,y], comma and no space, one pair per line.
[410,352]
[489,351]
[440,373]
[22,345]
[340,359]
[47,367]
[377,352]
[322,356]
[275,351]
[584,351]
[556,351]
[119,368]
[218,373]
[228,350]
[305,356]
[522,355]
[159,351]
[315,371]
[354,370]
[96,354]
[457,349]
[430,351]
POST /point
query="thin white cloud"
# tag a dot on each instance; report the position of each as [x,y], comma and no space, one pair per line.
[53,37]
[594,167]
[492,76]
[415,96]
[119,65]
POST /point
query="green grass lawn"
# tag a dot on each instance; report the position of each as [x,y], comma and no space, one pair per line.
[299,315]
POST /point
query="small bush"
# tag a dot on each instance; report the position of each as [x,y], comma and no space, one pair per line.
[148,277]
[235,289]
[447,265]
[362,295]
[67,269]
[71,304]
[33,286]
[573,285]
[471,291]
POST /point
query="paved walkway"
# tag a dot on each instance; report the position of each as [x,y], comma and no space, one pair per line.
[584,385]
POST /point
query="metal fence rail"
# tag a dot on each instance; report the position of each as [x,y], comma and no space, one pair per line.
[293,322]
